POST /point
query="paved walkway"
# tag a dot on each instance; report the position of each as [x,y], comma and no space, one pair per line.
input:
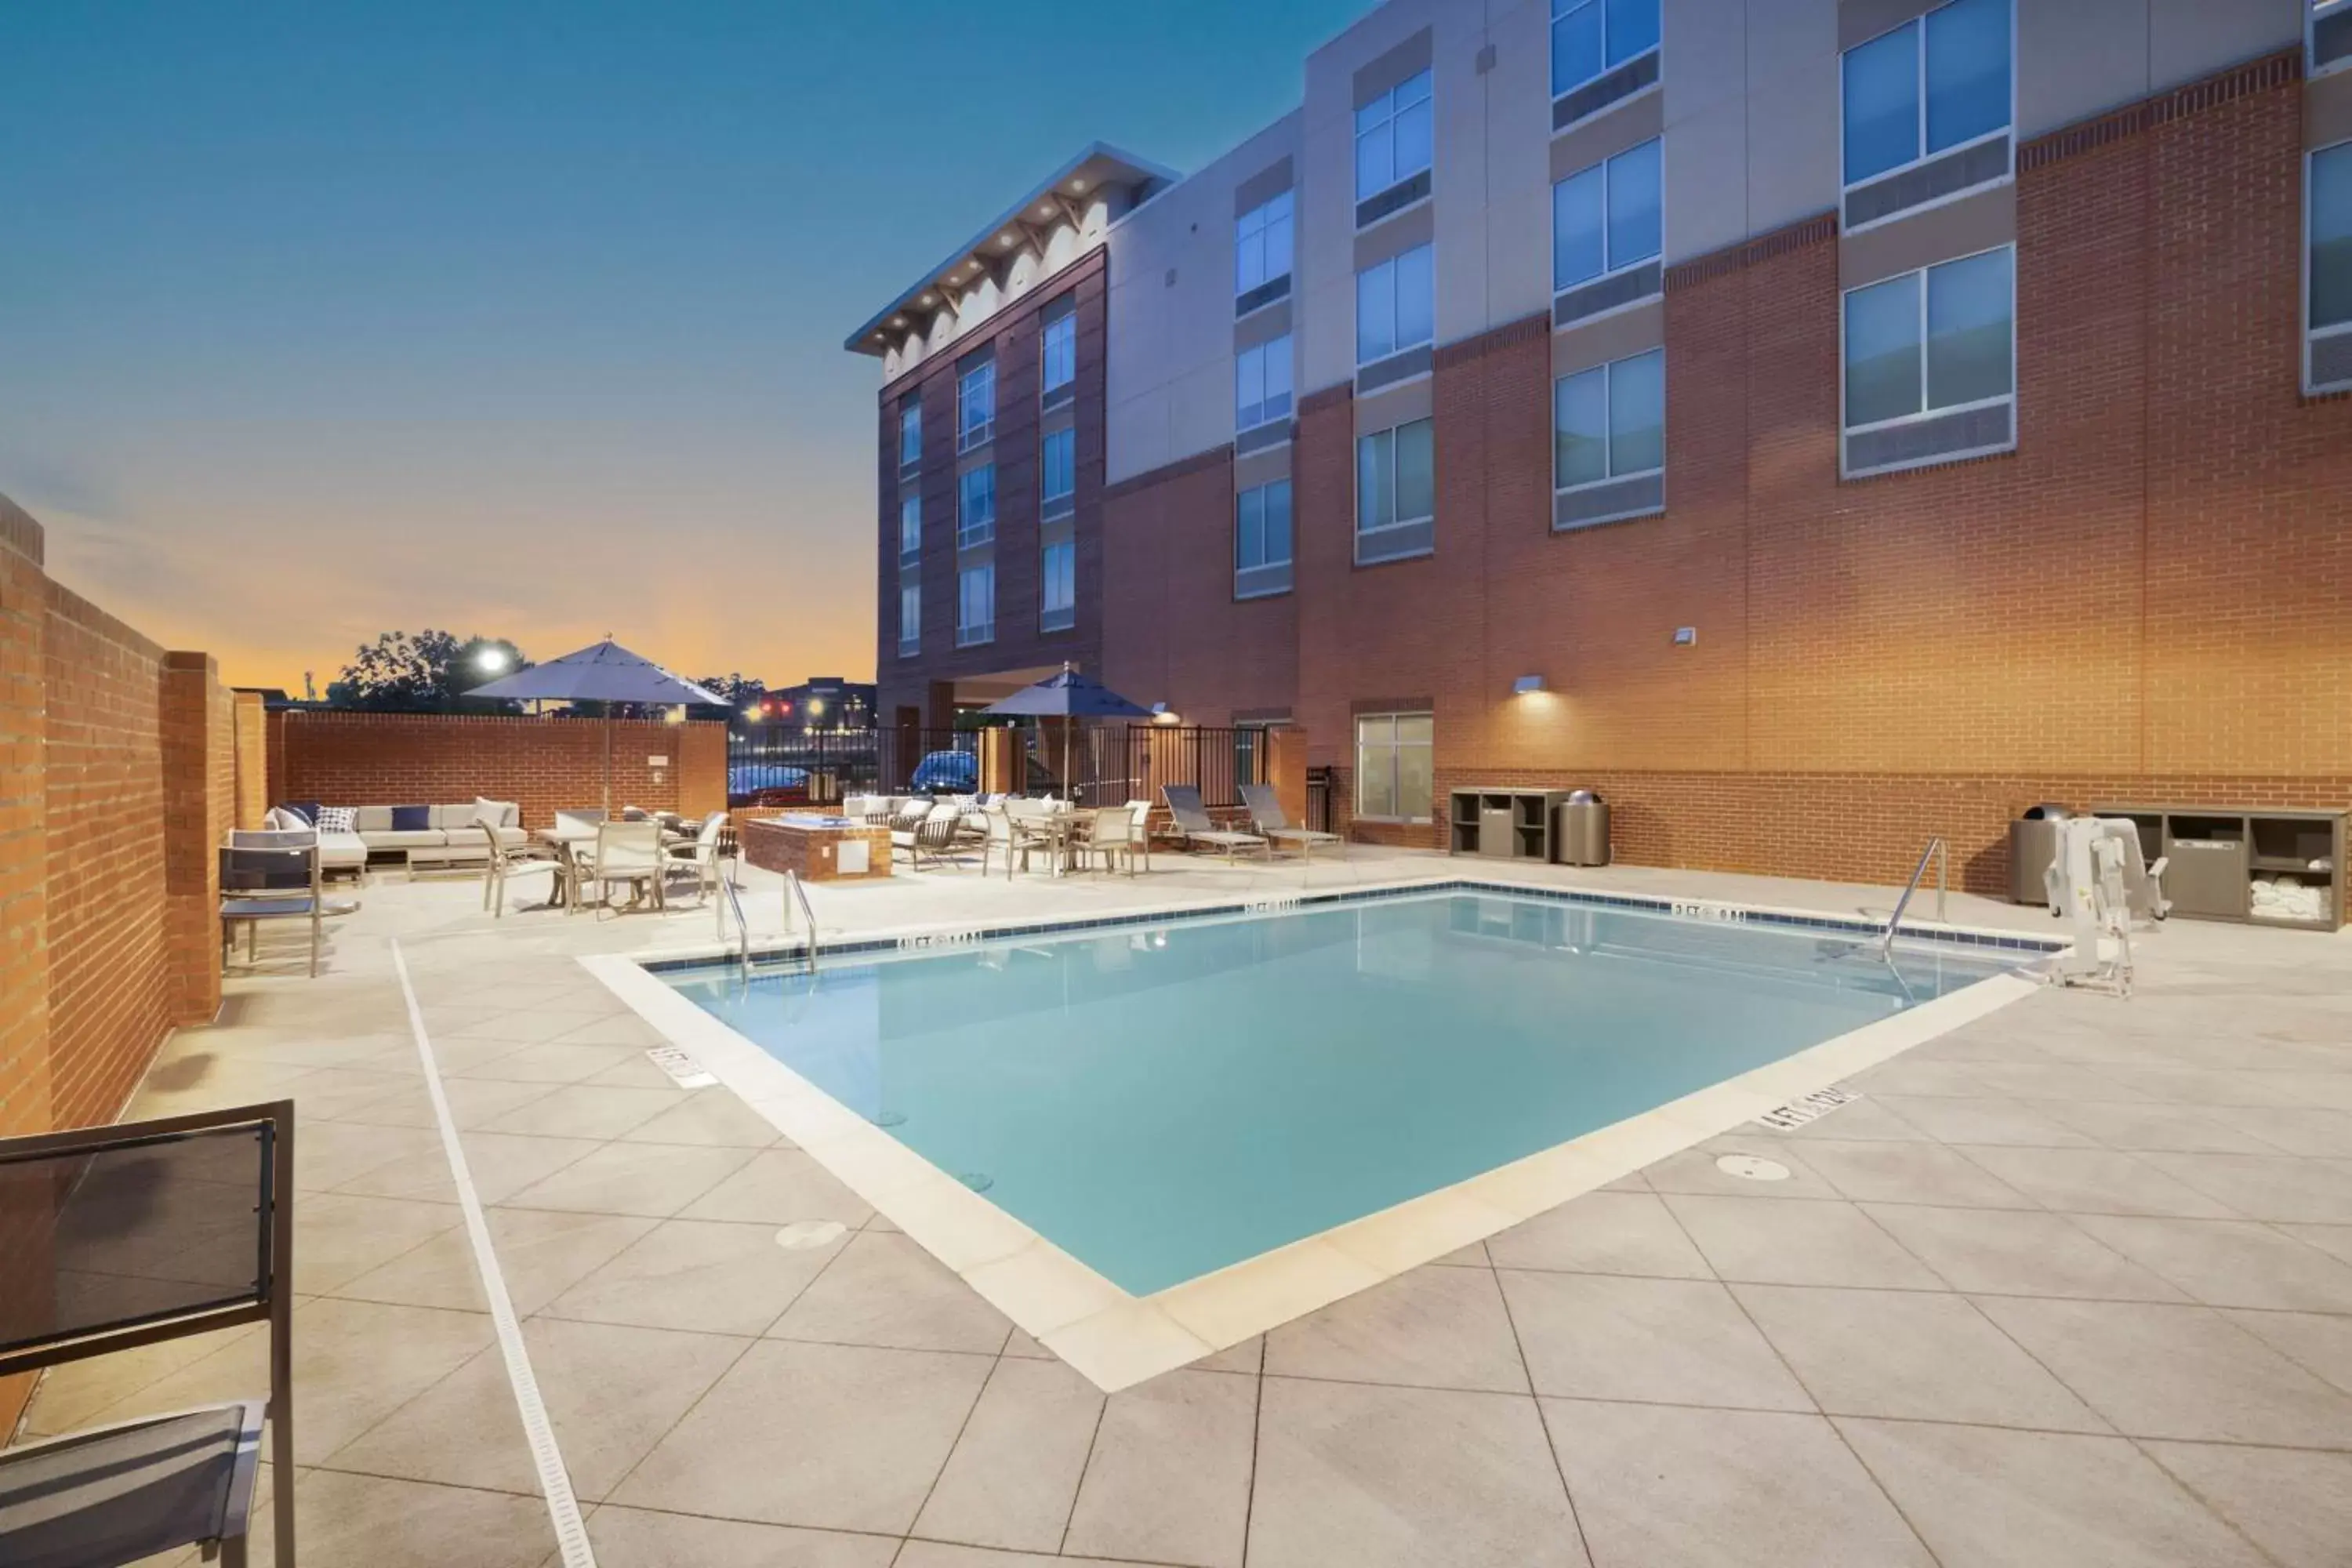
[2070,1286]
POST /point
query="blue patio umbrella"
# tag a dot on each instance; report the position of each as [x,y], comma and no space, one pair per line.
[1070,697]
[601,672]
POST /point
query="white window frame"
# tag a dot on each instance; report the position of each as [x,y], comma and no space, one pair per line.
[1066,324]
[2315,335]
[1395,346]
[1847,431]
[1386,126]
[1919,75]
[1561,10]
[1608,370]
[1610,266]
[971,634]
[970,432]
[970,534]
[1394,747]
[911,539]
[1273,350]
[1291,509]
[2314,11]
[910,422]
[1395,522]
[910,627]
[1260,224]
[1047,499]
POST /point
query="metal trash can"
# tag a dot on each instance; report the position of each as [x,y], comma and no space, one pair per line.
[1580,835]
[2033,845]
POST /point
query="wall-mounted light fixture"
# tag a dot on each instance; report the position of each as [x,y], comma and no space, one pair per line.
[1162,714]
[1686,637]
[1527,685]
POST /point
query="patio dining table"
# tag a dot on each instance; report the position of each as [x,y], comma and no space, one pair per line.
[566,841]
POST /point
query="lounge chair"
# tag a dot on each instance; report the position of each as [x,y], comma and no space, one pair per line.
[1193,826]
[274,875]
[120,1237]
[1268,817]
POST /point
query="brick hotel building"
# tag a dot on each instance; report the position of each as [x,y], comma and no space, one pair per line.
[1867,417]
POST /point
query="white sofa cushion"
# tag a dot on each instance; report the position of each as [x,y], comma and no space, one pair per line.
[341,849]
[413,838]
[497,812]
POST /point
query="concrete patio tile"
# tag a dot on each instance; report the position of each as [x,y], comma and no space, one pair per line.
[943,1554]
[1248,1356]
[1471,1257]
[2017,1253]
[700,1275]
[1958,1119]
[524,1027]
[2230,1263]
[774,1186]
[586,1110]
[328,1154]
[640,1538]
[1983,1498]
[834,1437]
[1014,1474]
[1796,1244]
[547,1063]
[2289,1130]
[1169,1480]
[2274,1187]
[345,1520]
[708,1116]
[1912,1075]
[2321,1343]
[631,1072]
[2096,1180]
[1695,1170]
[655,1180]
[617,1028]
[2336,1240]
[540,1254]
[1681,1341]
[1910,1173]
[472,1101]
[2058,1080]
[2295,1506]
[1912,1354]
[1433,1328]
[77,1394]
[885,1290]
[1658,1484]
[338,1237]
[1602,1233]
[1401,1477]
[501,1163]
[611,1392]
[1865,1116]
[2177,1371]
[2157,1128]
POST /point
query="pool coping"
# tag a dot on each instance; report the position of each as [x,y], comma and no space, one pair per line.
[1116,1339]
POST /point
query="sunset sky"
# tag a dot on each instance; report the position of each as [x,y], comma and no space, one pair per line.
[319,319]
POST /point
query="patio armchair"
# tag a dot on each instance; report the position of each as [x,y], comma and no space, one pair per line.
[274,875]
[522,860]
[1111,834]
[1142,811]
[931,839]
[702,854]
[125,1236]
[1193,826]
[629,853]
[1268,817]
[1000,840]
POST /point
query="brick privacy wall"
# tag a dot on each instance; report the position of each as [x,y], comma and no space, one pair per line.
[1019,644]
[199,743]
[2151,599]
[545,765]
[250,735]
[24,849]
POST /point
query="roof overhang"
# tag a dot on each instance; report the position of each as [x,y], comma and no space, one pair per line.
[1059,199]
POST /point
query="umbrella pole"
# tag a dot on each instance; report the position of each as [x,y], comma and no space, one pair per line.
[608,761]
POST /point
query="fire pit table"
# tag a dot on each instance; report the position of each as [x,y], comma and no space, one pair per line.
[817,849]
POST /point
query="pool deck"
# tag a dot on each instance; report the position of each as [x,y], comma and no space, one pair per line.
[2069,1285]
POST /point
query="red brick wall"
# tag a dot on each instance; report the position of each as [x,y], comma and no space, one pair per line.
[24,849]
[546,764]
[199,743]
[250,729]
[2150,599]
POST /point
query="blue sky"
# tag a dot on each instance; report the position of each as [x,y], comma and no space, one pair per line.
[522,318]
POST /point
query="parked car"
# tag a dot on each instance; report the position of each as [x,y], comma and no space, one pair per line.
[747,779]
[946,772]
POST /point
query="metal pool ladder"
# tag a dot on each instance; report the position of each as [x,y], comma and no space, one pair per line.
[743,926]
[808,915]
[1943,859]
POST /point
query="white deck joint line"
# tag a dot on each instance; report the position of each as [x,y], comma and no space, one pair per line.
[554,1480]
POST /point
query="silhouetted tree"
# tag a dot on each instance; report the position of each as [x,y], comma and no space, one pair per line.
[429,672]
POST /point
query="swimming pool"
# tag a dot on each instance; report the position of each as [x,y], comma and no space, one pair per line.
[1165,1099]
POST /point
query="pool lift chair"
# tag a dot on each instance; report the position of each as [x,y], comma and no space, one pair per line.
[2100,881]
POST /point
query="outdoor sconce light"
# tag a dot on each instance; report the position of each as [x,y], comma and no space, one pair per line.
[1527,685]
[1162,714]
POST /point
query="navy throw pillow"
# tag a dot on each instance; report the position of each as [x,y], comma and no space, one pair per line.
[308,810]
[411,818]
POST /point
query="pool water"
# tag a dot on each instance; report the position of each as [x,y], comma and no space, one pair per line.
[1161,1101]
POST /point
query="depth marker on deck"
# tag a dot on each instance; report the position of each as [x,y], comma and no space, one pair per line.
[554,1480]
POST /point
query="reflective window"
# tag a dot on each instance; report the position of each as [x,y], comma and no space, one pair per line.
[910,525]
[1396,477]
[911,434]
[976,506]
[1933,340]
[1395,775]
[976,604]
[976,406]
[1262,243]
[1396,305]
[1061,350]
[1262,384]
[1589,37]
[2330,212]
[1059,588]
[1392,136]
[1930,85]
[1058,460]
[1262,526]
[911,616]
[1610,421]
[1606,217]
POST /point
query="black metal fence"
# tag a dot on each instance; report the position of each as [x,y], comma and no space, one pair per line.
[1105,764]
[776,766]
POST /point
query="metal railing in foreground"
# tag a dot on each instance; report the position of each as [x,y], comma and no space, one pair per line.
[1942,857]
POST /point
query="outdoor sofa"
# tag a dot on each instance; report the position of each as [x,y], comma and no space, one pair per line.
[422,835]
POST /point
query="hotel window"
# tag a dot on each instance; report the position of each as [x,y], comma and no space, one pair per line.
[910,529]
[1396,491]
[1395,778]
[910,618]
[911,434]
[1262,245]
[1936,83]
[1058,593]
[2330,38]
[2328,212]
[976,606]
[1396,305]
[1589,38]
[1061,356]
[1392,136]
[976,506]
[1605,218]
[1262,384]
[1608,424]
[1932,345]
[976,406]
[1262,540]
[1058,484]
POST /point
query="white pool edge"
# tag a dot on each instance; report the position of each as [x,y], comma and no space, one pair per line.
[1116,1339]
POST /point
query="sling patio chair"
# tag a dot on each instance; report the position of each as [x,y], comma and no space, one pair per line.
[931,839]
[274,875]
[124,1237]
[1268,817]
[522,860]
[701,855]
[629,853]
[1193,826]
